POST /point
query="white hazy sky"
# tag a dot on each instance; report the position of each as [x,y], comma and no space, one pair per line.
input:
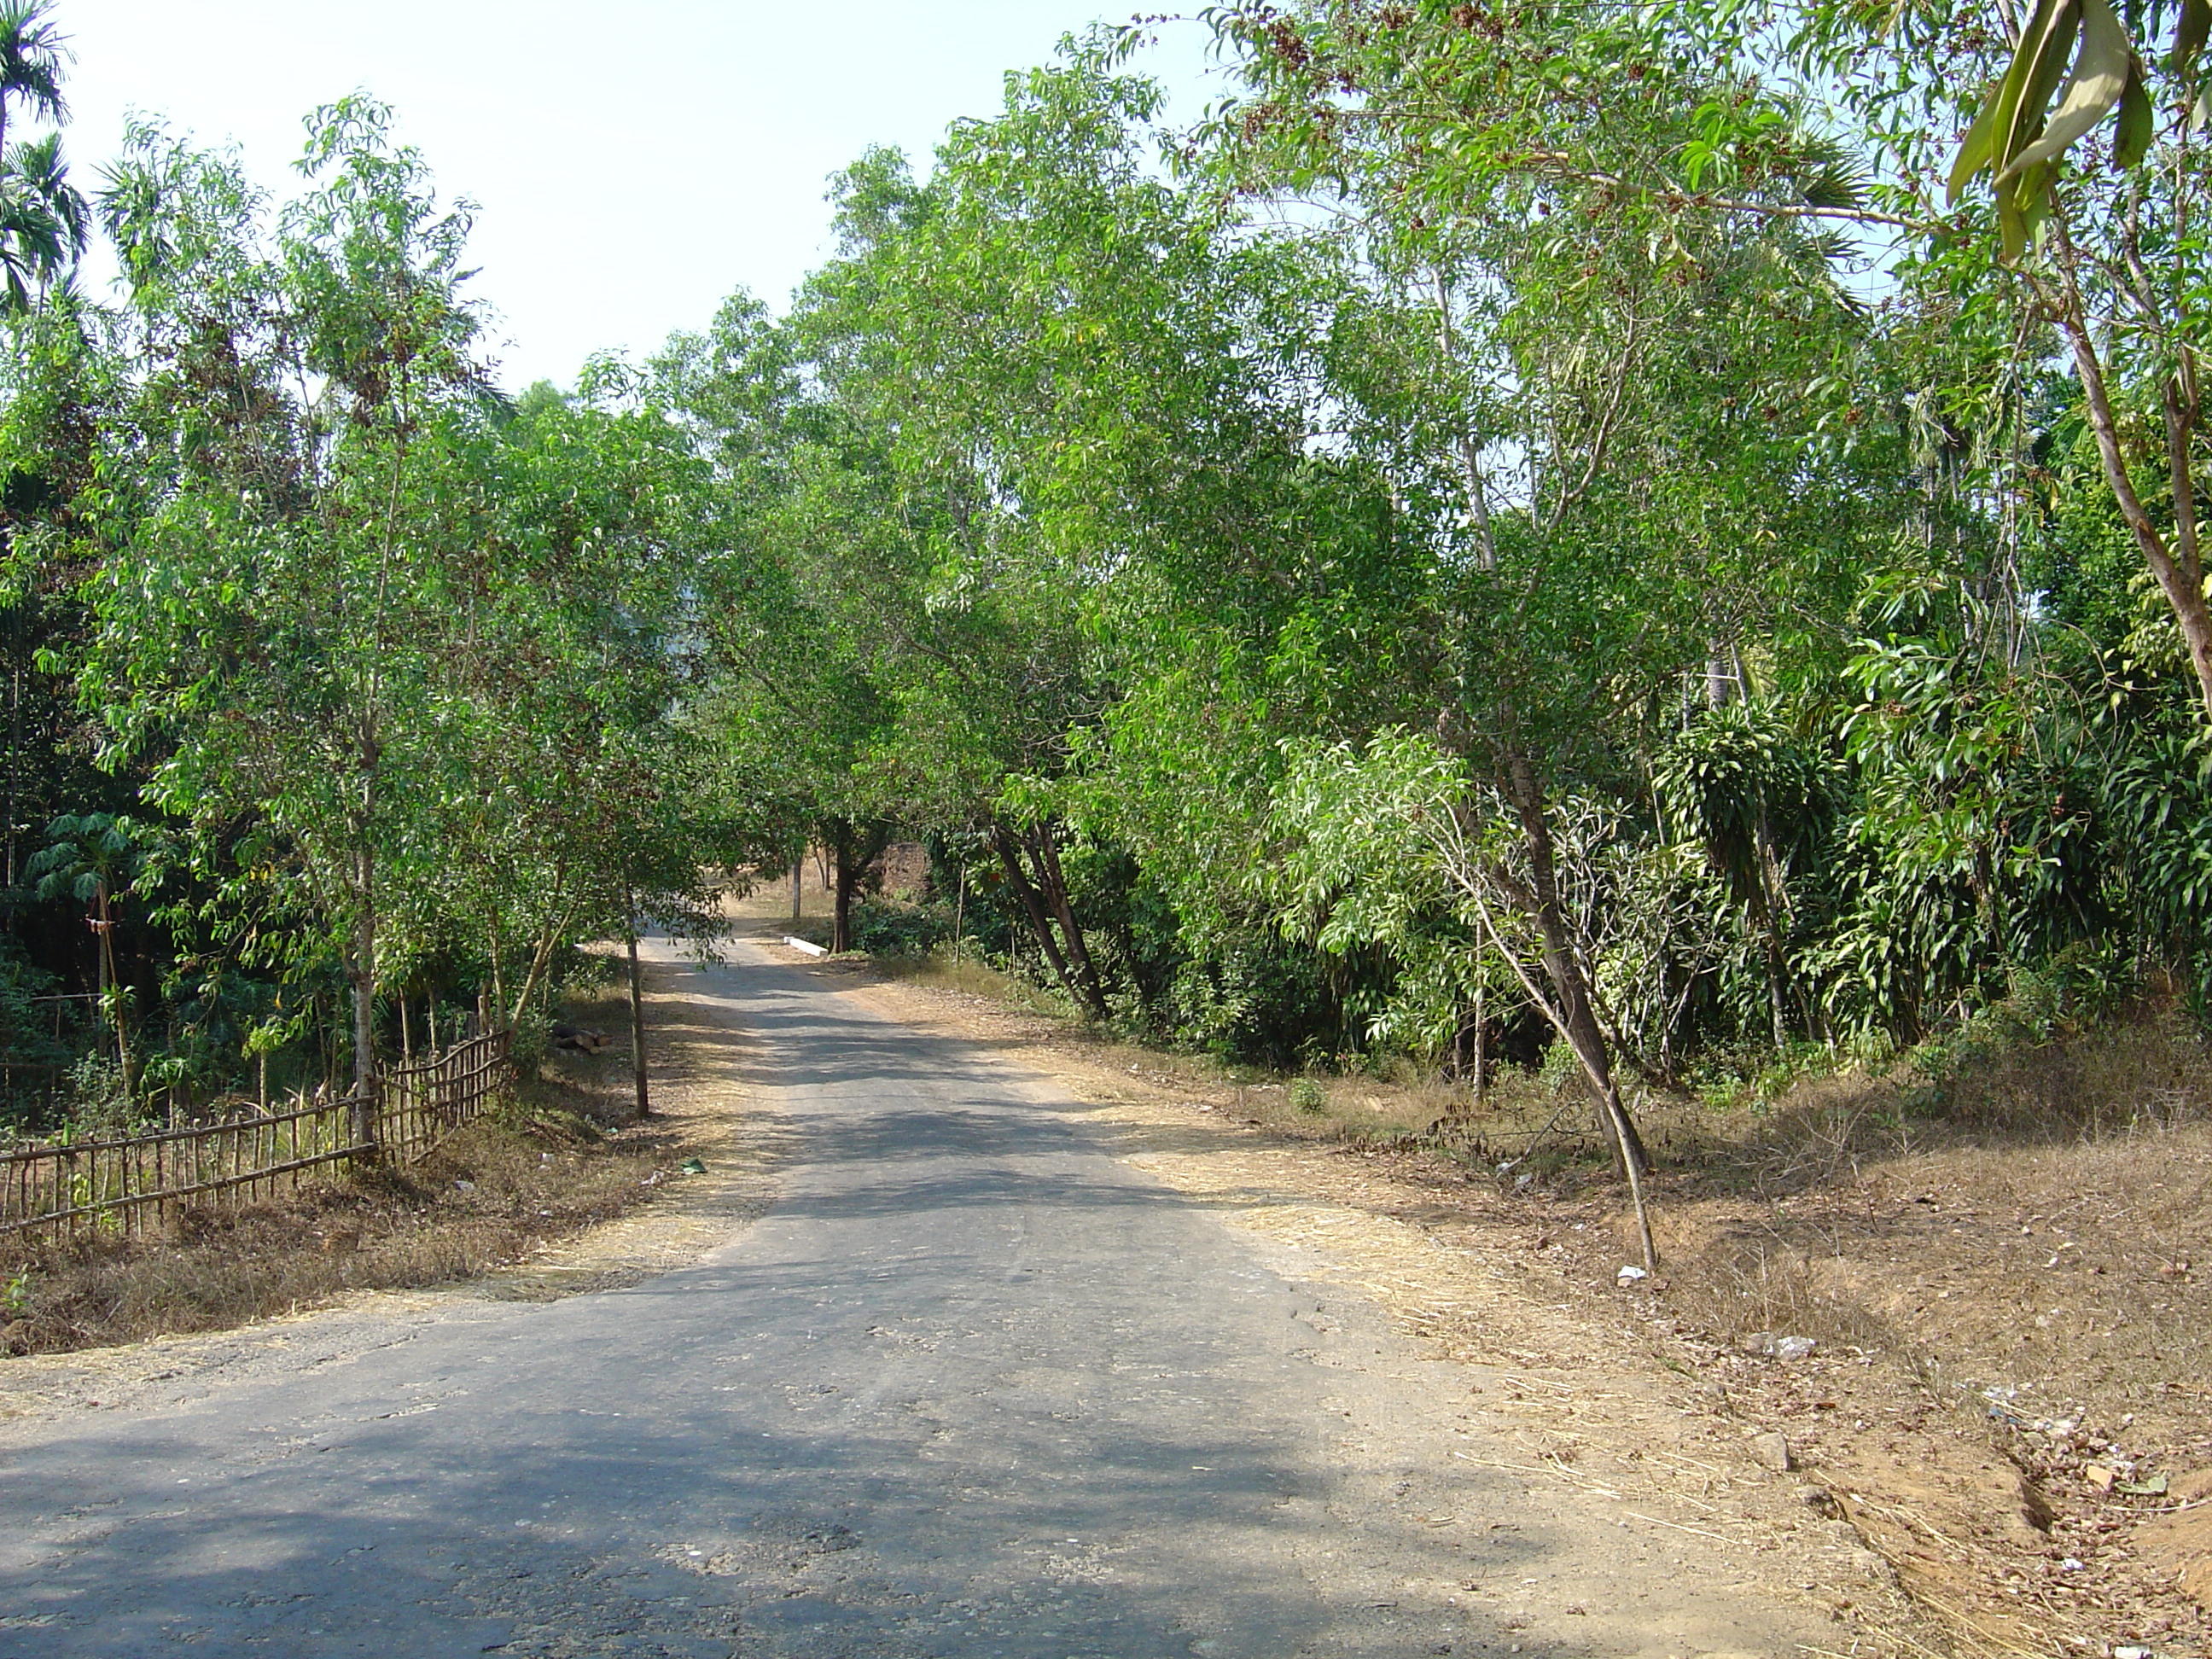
[633,163]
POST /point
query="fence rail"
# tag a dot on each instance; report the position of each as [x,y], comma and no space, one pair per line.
[419,1106]
[137,1182]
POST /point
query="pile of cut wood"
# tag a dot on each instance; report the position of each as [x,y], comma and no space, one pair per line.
[575,1037]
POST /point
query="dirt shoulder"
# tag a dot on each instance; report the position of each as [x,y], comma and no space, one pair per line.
[543,1215]
[1861,1475]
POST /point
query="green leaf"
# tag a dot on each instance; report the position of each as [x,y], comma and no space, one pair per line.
[2012,227]
[2132,141]
[2189,36]
[2045,44]
[2101,75]
[1974,147]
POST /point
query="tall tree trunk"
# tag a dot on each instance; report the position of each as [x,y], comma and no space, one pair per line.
[1470,1057]
[541,960]
[360,971]
[1055,884]
[856,848]
[960,910]
[15,750]
[360,966]
[636,1009]
[2178,568]
[111,983]
[498,986]
[1004,845]
[849,882]
[1009,848]
[548,941]
[1563,965]
[1481,1045]
[1465,442]
[1773,910]
[1723,678]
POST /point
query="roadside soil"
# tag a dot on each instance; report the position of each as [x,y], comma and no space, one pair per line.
[565,1190]
[1996,1444]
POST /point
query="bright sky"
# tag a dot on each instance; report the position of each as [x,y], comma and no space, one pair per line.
[633,163]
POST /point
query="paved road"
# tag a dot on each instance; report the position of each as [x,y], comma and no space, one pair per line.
[973,1386]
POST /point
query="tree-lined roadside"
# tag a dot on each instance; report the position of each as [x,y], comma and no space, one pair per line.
[342,684]
[1647,547]
[1441,559]
[1808,1383]
[1444,562]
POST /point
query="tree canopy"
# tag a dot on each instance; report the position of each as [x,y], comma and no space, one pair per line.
[1659,539]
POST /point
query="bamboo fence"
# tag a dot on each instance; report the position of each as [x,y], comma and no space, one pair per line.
[419,1106]
[137,1183]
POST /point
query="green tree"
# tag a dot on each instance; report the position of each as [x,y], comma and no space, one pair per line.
[581,797]
[93,859]
[44,222]
[2083,247]
[275,642]
[1626,426]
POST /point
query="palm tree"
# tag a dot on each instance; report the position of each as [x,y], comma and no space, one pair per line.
[31,52]
[43,220]
[93,859]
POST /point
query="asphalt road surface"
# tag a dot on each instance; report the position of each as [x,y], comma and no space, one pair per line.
[971,1387]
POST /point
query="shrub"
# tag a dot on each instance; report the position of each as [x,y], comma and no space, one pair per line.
[100,1106]
[1250,997]
[886,927]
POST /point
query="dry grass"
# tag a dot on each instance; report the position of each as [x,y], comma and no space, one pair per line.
[2044,1224]
[563,1152]
[2006,1281]
[2006,1277]
[973,977]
